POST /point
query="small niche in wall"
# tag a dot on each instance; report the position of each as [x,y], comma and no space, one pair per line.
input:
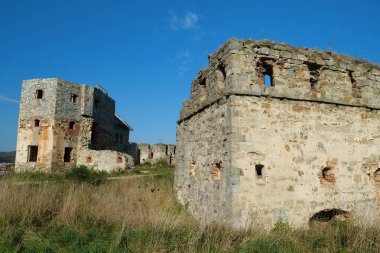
[88,159]
[192,168]
[376,176]
[327,176]
[216,171]
[119,159]
[259,168]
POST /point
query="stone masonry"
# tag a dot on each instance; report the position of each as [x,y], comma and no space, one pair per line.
[276,133]
[145,153]
[63,124]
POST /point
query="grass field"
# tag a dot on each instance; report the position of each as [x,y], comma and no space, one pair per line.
[54,213]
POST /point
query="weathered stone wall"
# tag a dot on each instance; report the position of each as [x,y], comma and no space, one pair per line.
[32,109]
[71,116]
[105,160]
[145,153]
[304,141]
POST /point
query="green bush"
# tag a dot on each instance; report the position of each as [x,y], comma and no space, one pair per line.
[85,175]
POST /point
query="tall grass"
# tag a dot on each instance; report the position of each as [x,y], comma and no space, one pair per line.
[141,215]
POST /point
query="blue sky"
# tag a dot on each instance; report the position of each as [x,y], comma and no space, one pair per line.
[145,53]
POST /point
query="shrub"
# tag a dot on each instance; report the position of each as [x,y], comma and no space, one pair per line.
[85,175]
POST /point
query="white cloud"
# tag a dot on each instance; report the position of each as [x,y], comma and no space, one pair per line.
[183,23]
[183,59]
[190,20]
[7,99]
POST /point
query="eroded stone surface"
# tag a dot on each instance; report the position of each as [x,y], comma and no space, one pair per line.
[308,141]
[63,124]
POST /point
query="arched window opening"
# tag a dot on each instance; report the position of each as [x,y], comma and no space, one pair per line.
[259,170]
[328,215]
[376,176]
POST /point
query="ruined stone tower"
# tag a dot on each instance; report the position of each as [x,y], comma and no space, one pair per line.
[276,133]
[63,124]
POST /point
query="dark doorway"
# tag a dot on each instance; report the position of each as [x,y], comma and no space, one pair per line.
[67,155]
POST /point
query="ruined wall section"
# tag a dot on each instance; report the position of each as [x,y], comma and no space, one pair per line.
[33,110]
[103,137]
[158,153]
[312,157]
[206,181]
[297,73]
[67,124]
[105,160]
[304,141]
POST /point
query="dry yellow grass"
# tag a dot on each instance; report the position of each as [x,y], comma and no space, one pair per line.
[141,215]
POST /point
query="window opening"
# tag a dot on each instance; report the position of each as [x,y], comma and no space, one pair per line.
[36,122]
[32,153]
[89,159]
[96,103]
[327,215]
[73,98]
[119,159]
[314,70]
[259,170]
[67,155]
[265,71]
[39,94]
[71,124]
[268,80]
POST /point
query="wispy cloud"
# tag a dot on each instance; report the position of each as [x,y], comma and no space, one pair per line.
[183,58]
[7,99]
[183,23]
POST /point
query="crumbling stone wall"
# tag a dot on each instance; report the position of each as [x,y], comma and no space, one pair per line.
[276,133]
[62,122]
[145,153]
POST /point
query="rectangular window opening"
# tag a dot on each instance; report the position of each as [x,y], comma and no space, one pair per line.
[67,155]
[96,103]
[71,124]
[268,80]
[32,153]
[39,94]
[36,122]
[73,98]
[259,170]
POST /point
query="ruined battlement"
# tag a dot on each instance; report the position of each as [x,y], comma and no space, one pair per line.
[63,124]
[274,133]
[240,67]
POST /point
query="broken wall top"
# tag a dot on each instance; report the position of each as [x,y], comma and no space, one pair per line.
[239,67]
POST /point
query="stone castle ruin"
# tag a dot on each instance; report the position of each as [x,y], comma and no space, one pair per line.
[276,133]
[64,124]
[158,153]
